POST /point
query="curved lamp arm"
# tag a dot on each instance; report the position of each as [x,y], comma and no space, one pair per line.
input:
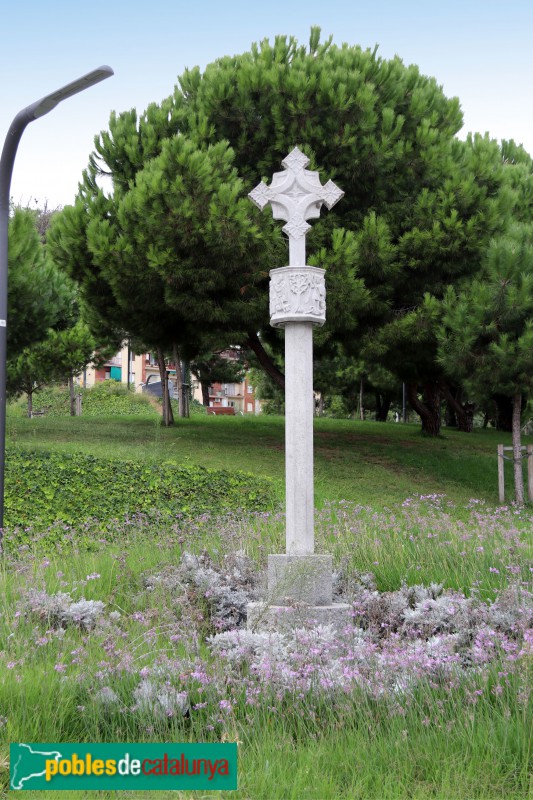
[37,109]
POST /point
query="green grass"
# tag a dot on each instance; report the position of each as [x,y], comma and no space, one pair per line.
[436,745]
[430,744]
[371,463]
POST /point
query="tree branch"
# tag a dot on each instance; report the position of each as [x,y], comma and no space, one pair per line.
[254,343]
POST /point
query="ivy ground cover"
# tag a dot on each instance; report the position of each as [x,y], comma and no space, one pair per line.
[43,488]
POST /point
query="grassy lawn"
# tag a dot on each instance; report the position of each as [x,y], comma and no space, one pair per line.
[367,462]
[132,630]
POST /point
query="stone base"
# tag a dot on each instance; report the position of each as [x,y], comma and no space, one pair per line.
[264,617]
[299,595]
[300,579]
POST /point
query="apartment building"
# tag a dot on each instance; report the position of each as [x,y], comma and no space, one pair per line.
[143,369]
[240,396]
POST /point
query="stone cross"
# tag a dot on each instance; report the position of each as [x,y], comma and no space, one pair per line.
[296,195]
[298,303]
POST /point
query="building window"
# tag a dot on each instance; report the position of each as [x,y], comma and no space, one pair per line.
[250,389]
[249,407]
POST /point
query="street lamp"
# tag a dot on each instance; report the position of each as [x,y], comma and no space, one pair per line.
[23,118]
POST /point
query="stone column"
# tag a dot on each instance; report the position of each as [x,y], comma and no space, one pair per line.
[299,581]
[299,492]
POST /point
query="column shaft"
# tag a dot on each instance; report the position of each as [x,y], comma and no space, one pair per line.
[299,438]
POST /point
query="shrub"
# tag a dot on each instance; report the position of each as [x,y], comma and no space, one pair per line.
[108,398]
[44,488]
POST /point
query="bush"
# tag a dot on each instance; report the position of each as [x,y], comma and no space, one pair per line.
[111,398]
[43,488]
[108,398]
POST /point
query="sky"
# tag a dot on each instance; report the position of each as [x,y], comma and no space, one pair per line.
[478,50]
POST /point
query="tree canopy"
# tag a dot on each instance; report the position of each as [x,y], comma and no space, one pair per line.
[177,248]
[39,294]
[487,329]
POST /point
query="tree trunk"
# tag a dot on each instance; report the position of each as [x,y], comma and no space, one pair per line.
[504,413]
[466,423]
[361,406]
[186,383]
[464,414]
[170,413]
[319,406]
[72,396]
[428,409]
[450,417]
[168,418]
[128,358]
[205,393]
[163,378]
[517,451]
[254,343]
[383,404]
[182,406]
[30,403]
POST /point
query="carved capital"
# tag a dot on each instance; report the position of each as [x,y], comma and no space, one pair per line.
[297,294]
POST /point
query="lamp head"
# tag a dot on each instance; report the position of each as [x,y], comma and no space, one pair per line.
[46,104]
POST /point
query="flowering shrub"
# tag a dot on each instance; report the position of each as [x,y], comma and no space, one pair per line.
[397,638]
[106,696]
[60,609]
[158,649]
[160,700]
[318,659]
[225,589]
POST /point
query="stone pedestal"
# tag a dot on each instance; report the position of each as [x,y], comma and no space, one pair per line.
[284,619]
[300,579]
[299,594]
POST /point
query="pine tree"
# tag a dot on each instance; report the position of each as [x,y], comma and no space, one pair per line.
[487,331]
[39,294]
[213,367]
[179,232]
[60,356]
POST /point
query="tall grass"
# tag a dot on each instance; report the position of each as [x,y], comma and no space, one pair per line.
[426,694]
[465,734]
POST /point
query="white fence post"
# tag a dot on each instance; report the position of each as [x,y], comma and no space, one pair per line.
[501,478]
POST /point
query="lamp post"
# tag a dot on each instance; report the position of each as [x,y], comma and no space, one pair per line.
[37,109]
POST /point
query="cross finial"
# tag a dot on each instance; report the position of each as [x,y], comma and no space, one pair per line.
[296,195]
